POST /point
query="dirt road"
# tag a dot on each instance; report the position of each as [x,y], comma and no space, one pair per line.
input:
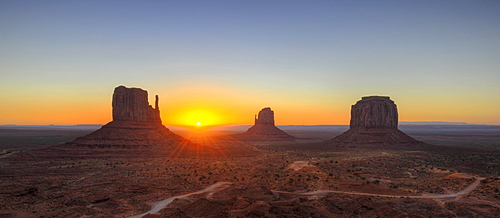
[162,204]
[320,193]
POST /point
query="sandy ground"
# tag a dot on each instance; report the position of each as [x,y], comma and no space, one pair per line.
[283,179]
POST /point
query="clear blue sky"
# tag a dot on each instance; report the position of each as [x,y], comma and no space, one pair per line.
[439,60]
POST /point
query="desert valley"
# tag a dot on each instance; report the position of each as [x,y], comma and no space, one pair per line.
[136,167]
[282,108]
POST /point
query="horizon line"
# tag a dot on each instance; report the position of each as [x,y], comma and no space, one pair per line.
[233,124]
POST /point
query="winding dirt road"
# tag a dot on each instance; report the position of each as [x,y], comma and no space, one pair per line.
[157,206]
[320,193]
[298,165]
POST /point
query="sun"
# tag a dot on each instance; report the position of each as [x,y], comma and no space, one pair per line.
[198,118]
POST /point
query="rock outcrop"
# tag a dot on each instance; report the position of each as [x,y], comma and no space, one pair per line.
[374,121]
[131,104]
[374,112]
[135,124]
[137,130]
[264,129]
[266,117]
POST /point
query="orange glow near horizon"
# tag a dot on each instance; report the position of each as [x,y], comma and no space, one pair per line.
[202,106]
[197,117]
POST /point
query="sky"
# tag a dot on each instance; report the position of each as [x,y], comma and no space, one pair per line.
[220,62]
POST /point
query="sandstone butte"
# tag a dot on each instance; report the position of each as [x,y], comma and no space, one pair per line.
[135,124]
[264,129]
[374,121]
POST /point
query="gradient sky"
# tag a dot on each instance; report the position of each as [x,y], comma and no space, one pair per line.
[220,62]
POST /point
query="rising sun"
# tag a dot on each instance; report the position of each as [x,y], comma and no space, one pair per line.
[198,123]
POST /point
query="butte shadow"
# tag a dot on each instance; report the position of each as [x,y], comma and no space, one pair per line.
[137,127]
[264,129]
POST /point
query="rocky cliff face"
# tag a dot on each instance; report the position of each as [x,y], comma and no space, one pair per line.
[374,122]
[374,112]
[266,116]
[264,129]
[131,104]
[137,129]
[135,124]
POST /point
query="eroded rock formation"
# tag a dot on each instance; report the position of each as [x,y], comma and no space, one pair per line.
[374,112]
[266,117]
[137,127]
[264,129]
[135,123]
[374,121]
[131,104]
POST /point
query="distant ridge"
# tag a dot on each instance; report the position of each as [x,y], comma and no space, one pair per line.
[244,127]
[77,126]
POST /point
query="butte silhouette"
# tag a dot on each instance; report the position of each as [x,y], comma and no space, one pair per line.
[374,121]
[137,127]
[135,124]
[264,129]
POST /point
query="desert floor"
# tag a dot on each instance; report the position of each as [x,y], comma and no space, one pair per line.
[457,176]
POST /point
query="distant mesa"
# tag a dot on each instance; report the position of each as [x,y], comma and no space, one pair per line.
[374,121]
[135,124]
[264,129]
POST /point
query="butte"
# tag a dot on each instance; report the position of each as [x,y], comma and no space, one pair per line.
[374,122]
[135,124]
[137,127]
[264,129]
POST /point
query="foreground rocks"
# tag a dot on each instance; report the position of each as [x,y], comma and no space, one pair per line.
[374,122]
[264,129]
